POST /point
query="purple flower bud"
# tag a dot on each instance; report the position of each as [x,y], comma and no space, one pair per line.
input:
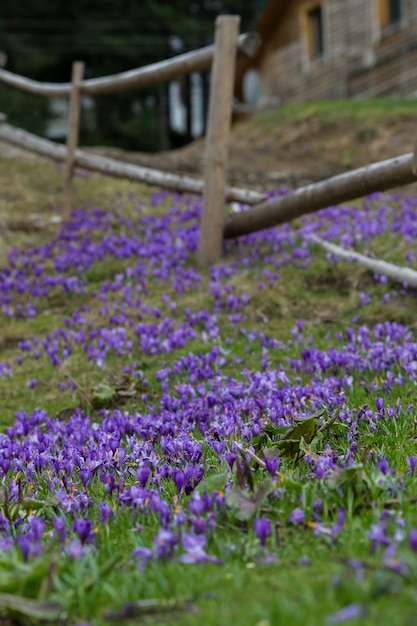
[379,403]
[105,512]
[272,464]
[297,516]
[230,458]
[196,504]
[383,465]
[179,479]
[412,463]
[218,446]
[84,529]
[341,516]
[37,526]
[85,475]
[5,465]
[165,543]
[143,474]
[59,525]
[194,550]
[262,528]
[378,536]
[143,555]
[412,539]
[25,546]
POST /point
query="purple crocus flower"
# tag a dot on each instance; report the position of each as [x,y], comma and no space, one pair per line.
[218,446]
[194,550]
[25,545]
[383,465]
[379,403]
[262,528]
[37,527]
[196,504]
[351,611]
[59,525]
[378,536]
[179,479]
[143,555]
[165,543]
[105,512]
[4,524]
[412,463]
[143,474]
[412,539]
[297,516]
[76,549]
[84,529]
[272,464]
[230,458]
[341,516]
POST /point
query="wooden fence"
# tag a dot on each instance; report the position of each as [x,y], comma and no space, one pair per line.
[214,226]
[379,176]
[221,58]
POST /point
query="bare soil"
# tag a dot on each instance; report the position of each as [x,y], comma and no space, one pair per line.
[293,153]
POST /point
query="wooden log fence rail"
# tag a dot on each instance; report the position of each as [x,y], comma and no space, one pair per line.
[379,176]
[119,169]
[170,69]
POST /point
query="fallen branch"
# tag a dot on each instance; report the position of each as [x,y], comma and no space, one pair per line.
[394,272]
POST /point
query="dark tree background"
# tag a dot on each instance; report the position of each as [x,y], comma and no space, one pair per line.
[43,37]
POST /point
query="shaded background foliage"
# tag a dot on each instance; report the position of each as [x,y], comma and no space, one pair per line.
[42,38]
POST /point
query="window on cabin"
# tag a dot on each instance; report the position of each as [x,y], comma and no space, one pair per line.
[390,12]
[395,13]
[315,32]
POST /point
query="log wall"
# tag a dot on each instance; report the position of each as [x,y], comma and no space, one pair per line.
[361,58]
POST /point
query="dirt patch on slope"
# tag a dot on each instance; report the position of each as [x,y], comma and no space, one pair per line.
[291,153]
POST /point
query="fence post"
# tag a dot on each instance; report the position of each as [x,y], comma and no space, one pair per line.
[218,138]
[72,136]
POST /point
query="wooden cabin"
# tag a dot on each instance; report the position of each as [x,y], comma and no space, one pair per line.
[327,49]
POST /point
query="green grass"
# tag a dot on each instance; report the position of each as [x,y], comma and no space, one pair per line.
[357,111]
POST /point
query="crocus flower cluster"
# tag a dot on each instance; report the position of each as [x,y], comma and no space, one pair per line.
[152,463]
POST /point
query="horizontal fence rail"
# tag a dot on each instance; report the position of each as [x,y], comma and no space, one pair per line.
[119,169]
[379,176]
[169,69]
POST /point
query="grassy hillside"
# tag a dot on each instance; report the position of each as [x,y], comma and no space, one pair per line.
[230,445]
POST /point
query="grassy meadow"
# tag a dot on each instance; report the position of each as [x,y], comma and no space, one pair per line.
[230,445]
